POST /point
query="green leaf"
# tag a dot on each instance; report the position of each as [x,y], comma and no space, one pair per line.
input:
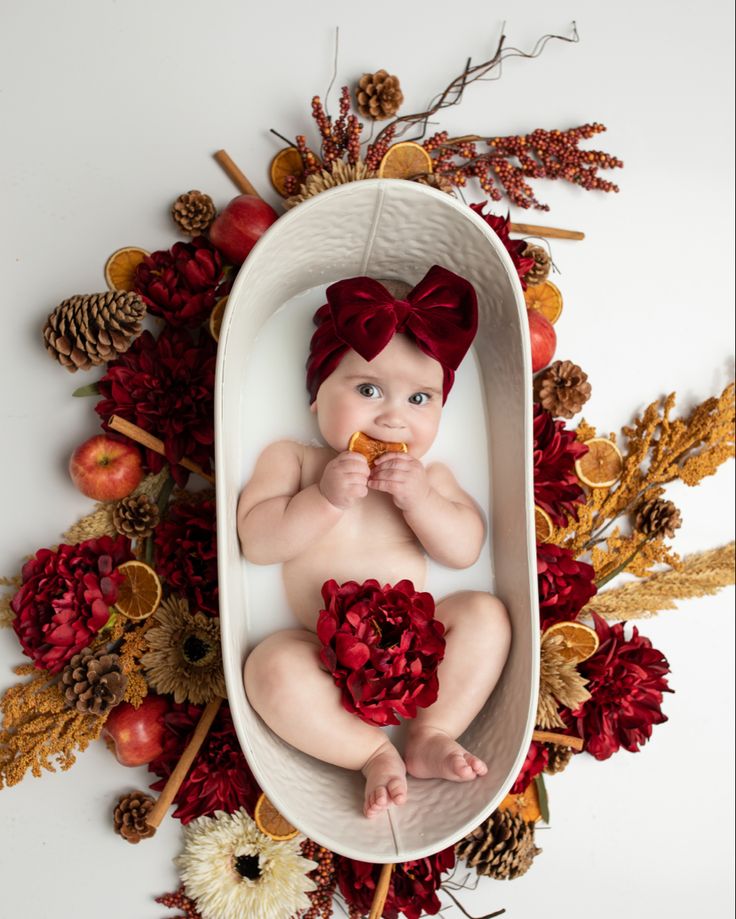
[543,800]
[91,389]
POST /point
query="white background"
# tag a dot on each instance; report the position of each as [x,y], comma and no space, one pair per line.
[109,110]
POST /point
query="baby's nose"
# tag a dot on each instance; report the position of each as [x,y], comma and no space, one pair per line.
[391,417]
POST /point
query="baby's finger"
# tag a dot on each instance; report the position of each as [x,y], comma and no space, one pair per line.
[393,459]
[348,457]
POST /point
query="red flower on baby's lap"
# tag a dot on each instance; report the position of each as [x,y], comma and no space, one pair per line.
[382,646]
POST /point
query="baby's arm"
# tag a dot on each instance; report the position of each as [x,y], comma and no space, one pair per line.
[277,520]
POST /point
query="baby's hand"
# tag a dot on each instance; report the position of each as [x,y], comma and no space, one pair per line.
[403,477]
[344,481]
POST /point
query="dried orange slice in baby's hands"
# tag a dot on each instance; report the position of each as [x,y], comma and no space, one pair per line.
[120,267]
[216,315]
[405,161]
[546,299]
[140,593]
[270,822]
[602,465]
[580,641]
[371,449]
[543,524]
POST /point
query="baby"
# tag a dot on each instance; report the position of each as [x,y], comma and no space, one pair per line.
[383,366]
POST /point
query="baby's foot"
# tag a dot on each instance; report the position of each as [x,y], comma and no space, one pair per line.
[432,754]
[385,780]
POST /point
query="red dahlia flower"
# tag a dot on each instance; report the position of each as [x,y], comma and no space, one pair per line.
[557,488]
[565,584]
[536,759]
[219,778]
[166,386]
[382,646]
[65,598]
[626,680]
[180,285]
[514,247]
[413,889]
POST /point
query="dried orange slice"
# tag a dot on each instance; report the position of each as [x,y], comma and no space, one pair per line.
[602,465]
[580,640]
[546,298]
[543,524]
[287,162]
[371,449]
[405,161]
[525,805]
[120,267]
[140,593]
[216,315]
[270,822]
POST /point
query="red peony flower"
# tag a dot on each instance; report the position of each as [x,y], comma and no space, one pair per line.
[65,598]
[557,488]
[514,247]
[626,680]
[413,889]
[166,386]
[219,778]
[565,584]
[382,647]
[180,285]
[536,759]
[185,552]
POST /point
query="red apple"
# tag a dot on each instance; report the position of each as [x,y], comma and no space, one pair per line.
[105,468]
[137,733]
[543,339]
[238,227]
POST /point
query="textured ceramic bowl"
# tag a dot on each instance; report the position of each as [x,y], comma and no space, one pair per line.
[385,229]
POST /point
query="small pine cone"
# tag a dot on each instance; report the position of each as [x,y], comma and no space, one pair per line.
[539,272]
[89,329]
[193,212]
[93,683]
[378,95]
[130,815]
[559,757]
[501,847]
[562,389]
[136,516]
[438,181]
[657,517]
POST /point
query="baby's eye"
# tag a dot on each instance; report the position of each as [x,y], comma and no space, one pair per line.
[419,398]
[369,390]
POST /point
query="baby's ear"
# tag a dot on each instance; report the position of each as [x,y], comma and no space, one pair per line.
[313,407]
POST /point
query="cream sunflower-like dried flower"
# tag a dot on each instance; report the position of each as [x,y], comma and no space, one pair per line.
[229,868]
[184,654]
[341,174]
[559,684]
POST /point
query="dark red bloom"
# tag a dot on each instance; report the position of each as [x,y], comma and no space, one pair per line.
[219,778]
[166,386]
[557,488]
[65,598]
[626,681]
[536,759]
[180,284]
[565,584]
[413,889]
[514,247]
[382,646]
[185,552]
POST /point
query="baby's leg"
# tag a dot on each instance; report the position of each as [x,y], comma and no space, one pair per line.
[300,702]
[477,635]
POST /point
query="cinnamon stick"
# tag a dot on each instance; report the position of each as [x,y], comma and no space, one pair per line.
[239,178]
[122,426]
[531,229]
[563,740]
[156,814]
[379,897]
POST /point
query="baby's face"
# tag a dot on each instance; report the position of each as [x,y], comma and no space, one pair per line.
[395,397]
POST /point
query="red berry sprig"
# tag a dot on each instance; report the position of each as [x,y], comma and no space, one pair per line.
[324,876]
[179,900]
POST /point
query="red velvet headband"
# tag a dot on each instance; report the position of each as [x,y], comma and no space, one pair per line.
[440,315]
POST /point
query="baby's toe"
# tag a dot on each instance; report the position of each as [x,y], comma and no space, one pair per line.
[397,790]
[477,764]
[461,767]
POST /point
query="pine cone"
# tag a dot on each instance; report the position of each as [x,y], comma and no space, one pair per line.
[559,757]
[562,388]
[130,815]
[89,329]
[436,180]
[378,95]
[193,211]
[93,683]
[136,516]
[501,847]
[657,517]
[539,272]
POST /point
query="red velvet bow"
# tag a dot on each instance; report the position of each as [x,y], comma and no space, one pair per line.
[440,315]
